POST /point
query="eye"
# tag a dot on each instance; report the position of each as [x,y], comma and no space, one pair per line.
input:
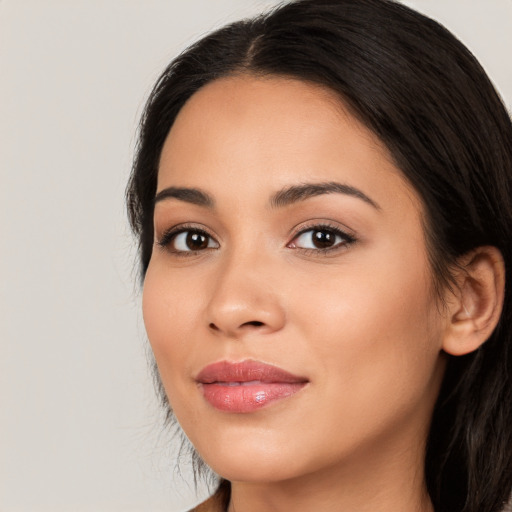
[182,240]
[321,238]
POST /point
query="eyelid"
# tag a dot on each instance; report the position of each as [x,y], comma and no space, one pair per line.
[171,233]
[318,225]
[164,239]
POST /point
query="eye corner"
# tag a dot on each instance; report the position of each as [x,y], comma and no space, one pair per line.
[329,239]
[186,240]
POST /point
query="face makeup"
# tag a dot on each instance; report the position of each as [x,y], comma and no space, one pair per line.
[288,299]
[246,386]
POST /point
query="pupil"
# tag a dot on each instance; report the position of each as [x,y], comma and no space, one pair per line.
[323,239]
[196,241]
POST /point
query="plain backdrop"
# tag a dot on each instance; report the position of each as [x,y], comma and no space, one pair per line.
[79,427]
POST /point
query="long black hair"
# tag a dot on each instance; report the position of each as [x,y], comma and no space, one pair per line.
[427,98]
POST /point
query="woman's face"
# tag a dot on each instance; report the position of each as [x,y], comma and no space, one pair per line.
[288,300]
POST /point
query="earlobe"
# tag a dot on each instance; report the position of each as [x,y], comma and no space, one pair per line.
[476,310]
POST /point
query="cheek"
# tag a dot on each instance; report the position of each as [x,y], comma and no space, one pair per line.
[375,335]
[170,314]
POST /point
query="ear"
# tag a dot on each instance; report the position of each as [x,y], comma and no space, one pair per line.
[474,311]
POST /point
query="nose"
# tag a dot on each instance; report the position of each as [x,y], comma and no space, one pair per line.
[244,300]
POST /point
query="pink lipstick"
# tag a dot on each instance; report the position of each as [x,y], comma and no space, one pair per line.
[246,386]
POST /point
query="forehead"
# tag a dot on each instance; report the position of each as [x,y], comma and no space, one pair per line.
[245,133]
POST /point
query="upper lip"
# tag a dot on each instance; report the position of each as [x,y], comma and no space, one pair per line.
[245,371]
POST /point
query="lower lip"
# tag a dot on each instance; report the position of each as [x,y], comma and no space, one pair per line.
[248,397]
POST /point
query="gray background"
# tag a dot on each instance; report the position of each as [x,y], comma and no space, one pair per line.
[79,427]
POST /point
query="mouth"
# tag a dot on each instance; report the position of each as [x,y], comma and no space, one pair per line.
[246,386]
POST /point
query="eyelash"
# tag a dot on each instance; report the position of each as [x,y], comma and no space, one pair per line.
[347,239]
[171,234]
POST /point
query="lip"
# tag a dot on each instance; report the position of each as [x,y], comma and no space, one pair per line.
[246,386]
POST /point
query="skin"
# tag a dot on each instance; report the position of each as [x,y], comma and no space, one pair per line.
[360,321]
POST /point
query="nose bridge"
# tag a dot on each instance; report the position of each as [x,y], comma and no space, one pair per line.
[244,297]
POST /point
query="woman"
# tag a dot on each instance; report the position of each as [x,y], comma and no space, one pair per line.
[323,202]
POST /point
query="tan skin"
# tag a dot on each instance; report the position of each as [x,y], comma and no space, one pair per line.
[356,316]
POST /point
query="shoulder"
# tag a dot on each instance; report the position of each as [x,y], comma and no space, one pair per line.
[218,502]
[212,504]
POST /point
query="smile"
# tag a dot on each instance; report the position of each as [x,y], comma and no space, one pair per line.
[246,386]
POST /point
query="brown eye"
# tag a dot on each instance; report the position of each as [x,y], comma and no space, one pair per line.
[196,241]
[321,239]
[190,241]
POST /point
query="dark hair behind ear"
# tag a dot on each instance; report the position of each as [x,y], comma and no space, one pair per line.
[423,93]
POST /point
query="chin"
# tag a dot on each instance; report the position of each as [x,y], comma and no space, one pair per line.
[254,457]
[258,470]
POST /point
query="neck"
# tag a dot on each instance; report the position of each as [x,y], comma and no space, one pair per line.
[392,481]
[315,496]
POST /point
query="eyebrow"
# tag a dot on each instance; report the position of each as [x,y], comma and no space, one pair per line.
[189,195]
[305,191]
[282,198]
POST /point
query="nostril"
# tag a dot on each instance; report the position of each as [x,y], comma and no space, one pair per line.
[254,323]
